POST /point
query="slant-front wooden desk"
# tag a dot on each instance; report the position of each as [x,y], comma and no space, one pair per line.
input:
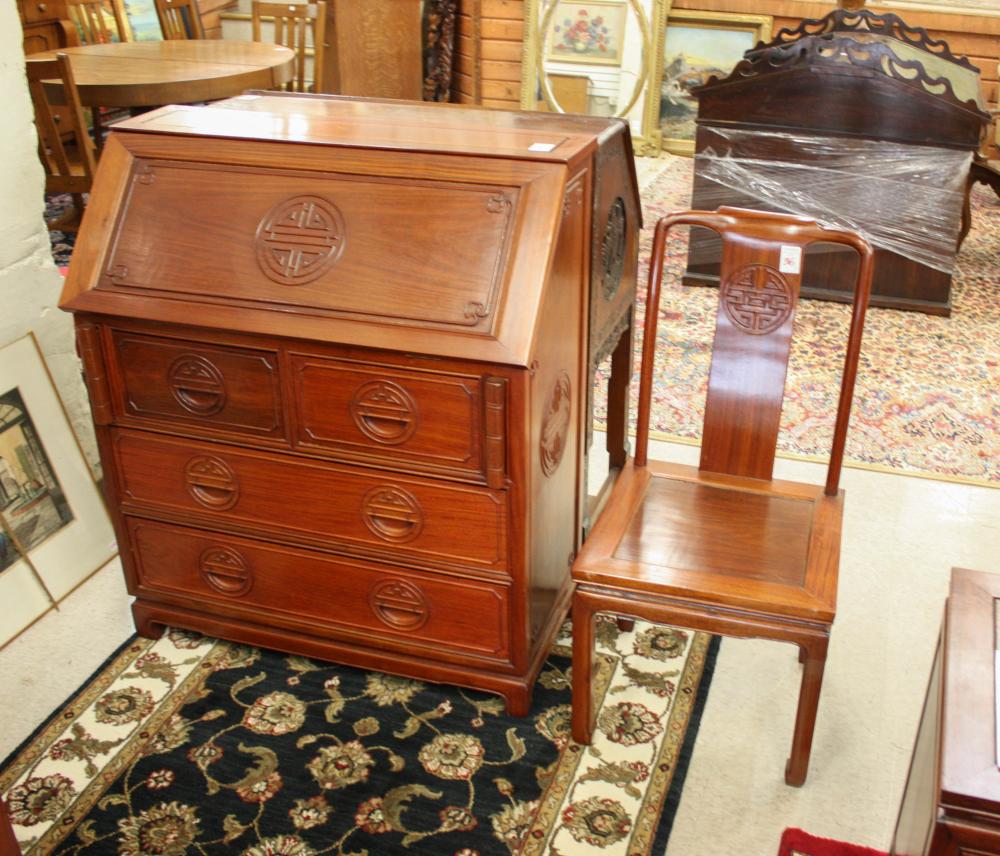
[339,355]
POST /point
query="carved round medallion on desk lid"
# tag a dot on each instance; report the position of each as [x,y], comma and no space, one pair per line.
[226,570]
[400,604]
[757,299]
[197,385]
[392,513]
[384,412]
[555,424]
[613,249]
[299,239]
[211,482]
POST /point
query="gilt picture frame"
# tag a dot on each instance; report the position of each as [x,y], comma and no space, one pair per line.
[51,511]
[691,47]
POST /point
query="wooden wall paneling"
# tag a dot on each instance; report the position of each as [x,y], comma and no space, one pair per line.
[502,31]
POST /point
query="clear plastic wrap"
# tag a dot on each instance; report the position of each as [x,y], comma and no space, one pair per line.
[903,198]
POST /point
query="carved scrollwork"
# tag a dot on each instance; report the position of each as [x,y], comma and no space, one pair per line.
[835,48]
[197,385]
[613,249]
[399,604]
[757,299]
[299,239]
[226,570]
[555,424]
[499,203]
[867,21]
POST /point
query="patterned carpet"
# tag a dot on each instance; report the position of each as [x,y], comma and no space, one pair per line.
[188,744]
[928,392]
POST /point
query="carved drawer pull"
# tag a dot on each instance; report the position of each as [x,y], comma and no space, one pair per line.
[399,604]
[211,482]
[392,513]
[197,385]
[384,412]
[226,570]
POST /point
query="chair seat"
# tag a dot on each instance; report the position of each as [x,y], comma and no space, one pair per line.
[751,545]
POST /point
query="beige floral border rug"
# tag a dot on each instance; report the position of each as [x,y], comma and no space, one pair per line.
[192,745]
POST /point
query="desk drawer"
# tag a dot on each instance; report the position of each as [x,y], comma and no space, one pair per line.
[212,388]
[366,602]
[424,420]
[402,519]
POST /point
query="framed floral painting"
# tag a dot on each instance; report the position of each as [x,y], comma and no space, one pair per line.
[54,529]
[591,33]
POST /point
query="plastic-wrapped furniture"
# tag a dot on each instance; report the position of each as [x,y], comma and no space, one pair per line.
[856,120]
[723,547]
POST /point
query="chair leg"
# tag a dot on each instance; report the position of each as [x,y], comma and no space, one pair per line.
[813,656]
[583,652]
[618,394]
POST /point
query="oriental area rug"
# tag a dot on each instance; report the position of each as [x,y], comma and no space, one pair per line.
[192,745]
[927,399]
[795,842]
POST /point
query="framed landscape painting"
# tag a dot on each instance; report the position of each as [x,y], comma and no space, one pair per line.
[55,529]
[587,32]
[691,48]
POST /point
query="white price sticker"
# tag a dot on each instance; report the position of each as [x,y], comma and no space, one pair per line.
[541,147]
[791,259]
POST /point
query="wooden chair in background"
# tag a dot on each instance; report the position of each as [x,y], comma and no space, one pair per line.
[91,19]
[299,26]
[179,19]
[722,547]
[64,146]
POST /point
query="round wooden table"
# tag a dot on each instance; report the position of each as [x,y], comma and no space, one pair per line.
[150,74]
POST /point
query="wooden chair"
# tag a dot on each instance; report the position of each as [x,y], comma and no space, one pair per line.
[180,19]
[292,22]
[64,146]
[722,547]
[91,19]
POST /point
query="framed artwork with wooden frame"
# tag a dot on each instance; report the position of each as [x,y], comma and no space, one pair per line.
[55,529]
[690,47]
[591,54]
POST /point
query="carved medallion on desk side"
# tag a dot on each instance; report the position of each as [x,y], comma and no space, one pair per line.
[555,424]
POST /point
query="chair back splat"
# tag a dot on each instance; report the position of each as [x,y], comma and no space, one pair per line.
[301,27]
[762,258]
[179,19]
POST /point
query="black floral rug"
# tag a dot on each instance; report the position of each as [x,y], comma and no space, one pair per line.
[191,745]
[57,204]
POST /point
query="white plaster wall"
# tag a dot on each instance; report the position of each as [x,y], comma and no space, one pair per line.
[29,281]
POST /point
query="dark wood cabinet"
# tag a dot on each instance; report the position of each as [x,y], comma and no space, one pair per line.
[339,355]
[857,119]
[951,803]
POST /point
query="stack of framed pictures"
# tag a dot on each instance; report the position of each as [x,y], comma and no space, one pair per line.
[634,59]
[54,529]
